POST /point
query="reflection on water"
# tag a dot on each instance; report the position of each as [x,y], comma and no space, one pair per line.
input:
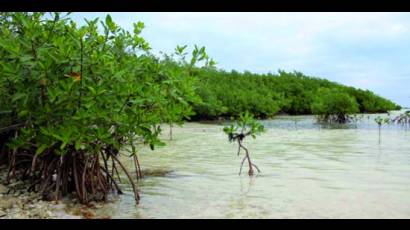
[307,172]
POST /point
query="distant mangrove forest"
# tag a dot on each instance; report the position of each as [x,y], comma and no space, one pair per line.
[264,95]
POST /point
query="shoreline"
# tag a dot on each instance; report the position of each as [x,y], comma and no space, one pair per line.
[220,119]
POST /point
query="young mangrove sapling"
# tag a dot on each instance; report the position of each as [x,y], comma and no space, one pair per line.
[245,126]
[380,121]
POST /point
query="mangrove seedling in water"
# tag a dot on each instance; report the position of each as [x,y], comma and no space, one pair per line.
[245,126]
[380,121]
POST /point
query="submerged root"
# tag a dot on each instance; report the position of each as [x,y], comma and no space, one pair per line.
[335,118]
[156,172]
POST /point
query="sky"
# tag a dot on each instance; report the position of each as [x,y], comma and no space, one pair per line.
[364,50]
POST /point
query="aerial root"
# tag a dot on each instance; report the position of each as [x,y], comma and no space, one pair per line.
[244,158]
[256,167]
[243,161]
[134,187]
[53,176]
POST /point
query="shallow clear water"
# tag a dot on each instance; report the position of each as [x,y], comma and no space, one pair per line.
[307,172]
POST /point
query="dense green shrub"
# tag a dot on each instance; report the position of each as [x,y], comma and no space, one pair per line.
[72,97]
[264,95]
[180,84]
[334,105]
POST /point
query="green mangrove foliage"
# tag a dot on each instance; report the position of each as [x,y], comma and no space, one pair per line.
[245,126]
[226,94]
[180,84]
[333,105]
[72,97]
